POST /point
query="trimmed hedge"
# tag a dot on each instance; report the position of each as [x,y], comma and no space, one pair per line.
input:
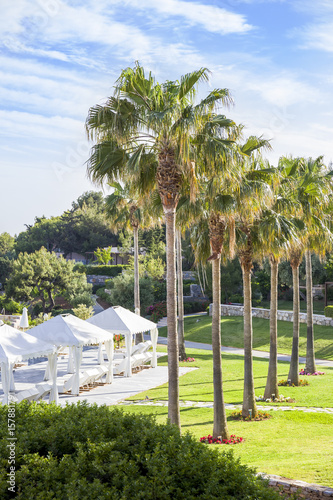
[111,271]
[329,311]
[84,452]
[195,306]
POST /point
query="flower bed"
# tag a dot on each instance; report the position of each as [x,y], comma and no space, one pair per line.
[273,399]
[285,383]
[210,440]
[303,372]
[188,360]
[261,415]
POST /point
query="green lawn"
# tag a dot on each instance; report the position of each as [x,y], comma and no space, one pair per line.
[198,329]
[293,444]
[197,385]
[287,305]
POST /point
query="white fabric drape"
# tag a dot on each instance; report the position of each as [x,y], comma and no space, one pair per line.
[5,381]
[128,342]
[70,365]
[77,363]
[11,378]
[47,371]
[153,337]
[100,356]
[109,347]
[52,363]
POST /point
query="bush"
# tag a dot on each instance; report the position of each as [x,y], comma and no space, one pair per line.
[57,311]
[157,311]
[237,298]
[122,293]
[104,295]
[195,306]
[329,311]
[10,306]
[111,271]
[86,452]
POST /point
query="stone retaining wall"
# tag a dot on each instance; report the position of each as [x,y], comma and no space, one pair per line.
[13,318]
[232,310]
[305,491]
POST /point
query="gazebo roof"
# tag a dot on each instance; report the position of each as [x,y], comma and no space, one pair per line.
[68,330]
[16,346]
[119,320]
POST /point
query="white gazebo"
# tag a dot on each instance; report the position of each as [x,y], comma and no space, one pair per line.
[121,321]
[67,330]
[16,346]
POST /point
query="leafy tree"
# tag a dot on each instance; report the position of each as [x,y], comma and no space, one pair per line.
[83,312]
[81,229]
[43,275]
[122,291]
[103,255]
[7,244]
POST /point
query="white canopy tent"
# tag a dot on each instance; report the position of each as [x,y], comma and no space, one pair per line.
[16,346]
[67,330]
[121,321]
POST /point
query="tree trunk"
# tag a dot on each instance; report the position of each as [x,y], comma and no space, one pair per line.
[293,370]
[310,352]
[173,351]
[220,427]
[249,399]
[181,338]
[272,389]
[139,336]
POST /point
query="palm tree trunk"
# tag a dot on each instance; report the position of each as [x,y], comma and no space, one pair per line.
[139,336]
[310,352]
[249,399]
[181,338]
[293,370]
[136,271]
[272,378]
[173,351]
[220,427]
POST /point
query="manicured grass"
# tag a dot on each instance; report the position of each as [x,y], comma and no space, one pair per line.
[199,329]
[197,385]
[292,444]
[287,305]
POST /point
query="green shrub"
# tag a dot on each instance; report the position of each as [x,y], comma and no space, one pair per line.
[111,271]
[157,311]
[57,311]
[329,311]
[89,452]
[10,306]
[237,298]
[104,295]
[195,306]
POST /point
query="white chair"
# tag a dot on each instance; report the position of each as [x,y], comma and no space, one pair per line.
[26,395]
[43,391]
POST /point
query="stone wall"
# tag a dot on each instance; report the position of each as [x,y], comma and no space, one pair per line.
[305,491]
[14,319]
[233,310]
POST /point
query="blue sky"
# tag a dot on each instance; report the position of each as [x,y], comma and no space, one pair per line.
[59,57]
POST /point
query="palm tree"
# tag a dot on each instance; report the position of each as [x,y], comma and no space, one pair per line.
[255,194]
[277,231]
[148,120]
[181,336]
[123,211]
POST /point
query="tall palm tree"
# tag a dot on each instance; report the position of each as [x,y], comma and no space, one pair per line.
[255,195]
[123,211]
[147,119]
[277,232]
